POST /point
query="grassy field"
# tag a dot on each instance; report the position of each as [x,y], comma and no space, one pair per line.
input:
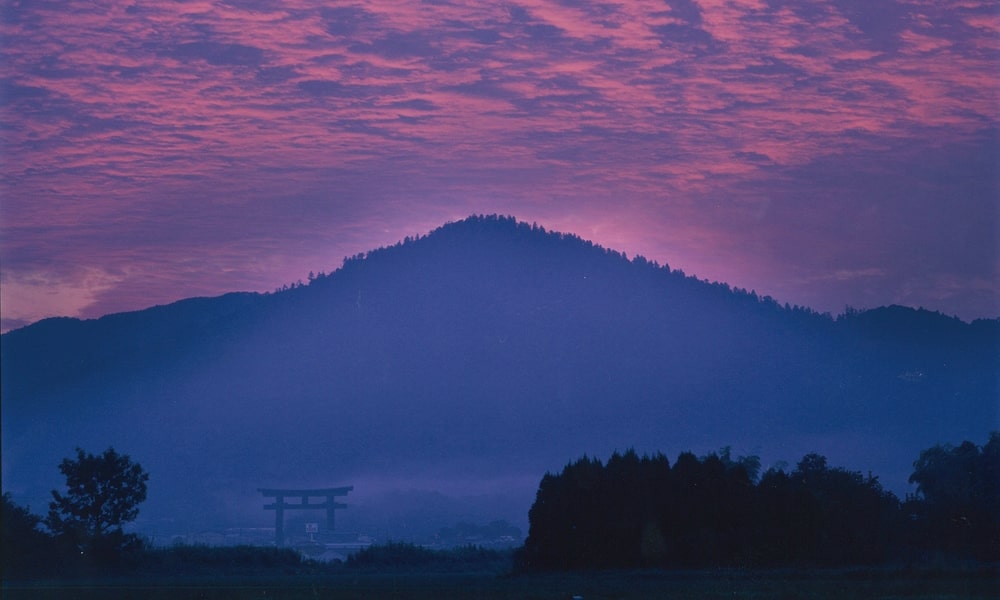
[640,585]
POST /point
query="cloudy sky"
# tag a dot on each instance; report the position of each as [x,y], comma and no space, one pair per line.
[824,152]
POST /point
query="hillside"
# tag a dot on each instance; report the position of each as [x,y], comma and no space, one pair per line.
[476,358]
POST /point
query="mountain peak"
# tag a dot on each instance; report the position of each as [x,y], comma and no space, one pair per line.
[486,348]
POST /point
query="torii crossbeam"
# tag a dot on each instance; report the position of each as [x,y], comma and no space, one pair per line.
[280,505]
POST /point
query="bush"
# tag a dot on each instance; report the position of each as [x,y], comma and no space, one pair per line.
[189,560]
[405,556]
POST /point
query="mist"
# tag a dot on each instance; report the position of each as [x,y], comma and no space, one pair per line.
[444,376]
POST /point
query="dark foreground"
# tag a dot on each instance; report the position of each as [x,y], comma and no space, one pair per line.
[756,585]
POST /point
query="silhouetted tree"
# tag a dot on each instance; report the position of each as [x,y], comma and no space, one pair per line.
[958,498]
[855,517]
[708,511]
[786,514]
[25,550]
[711,518]
[749,464]
[103,493]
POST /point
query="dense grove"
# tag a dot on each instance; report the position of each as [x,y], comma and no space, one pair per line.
[715,511]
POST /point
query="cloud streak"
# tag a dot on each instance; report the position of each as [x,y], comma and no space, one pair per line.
[194,148]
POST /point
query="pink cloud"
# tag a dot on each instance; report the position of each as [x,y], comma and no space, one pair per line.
[631,121]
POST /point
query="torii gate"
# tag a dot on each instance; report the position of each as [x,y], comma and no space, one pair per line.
[279,505]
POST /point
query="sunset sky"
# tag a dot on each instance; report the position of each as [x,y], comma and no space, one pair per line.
[825,152]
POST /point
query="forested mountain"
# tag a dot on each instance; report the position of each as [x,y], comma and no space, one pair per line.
[485,352]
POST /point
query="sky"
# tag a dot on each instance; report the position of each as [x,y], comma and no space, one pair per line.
[824,152]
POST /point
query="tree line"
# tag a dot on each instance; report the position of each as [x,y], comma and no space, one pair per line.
[718,511]
[632,511]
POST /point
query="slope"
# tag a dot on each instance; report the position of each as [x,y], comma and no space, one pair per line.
[481,354]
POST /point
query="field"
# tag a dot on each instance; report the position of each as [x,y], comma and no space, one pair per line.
[638,585]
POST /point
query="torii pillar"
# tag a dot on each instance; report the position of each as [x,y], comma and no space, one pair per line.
[279,505]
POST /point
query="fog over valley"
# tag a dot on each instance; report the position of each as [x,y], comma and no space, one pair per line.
[444,376]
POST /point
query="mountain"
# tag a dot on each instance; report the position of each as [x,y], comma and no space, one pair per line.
[474,359]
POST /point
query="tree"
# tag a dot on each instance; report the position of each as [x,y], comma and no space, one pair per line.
[853,519]
[959,498]
[24,548]
[104,492]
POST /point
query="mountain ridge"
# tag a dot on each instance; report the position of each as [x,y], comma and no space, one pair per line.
[486,348]
[218,315]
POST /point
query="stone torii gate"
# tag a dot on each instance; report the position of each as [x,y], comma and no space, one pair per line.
[280,505]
